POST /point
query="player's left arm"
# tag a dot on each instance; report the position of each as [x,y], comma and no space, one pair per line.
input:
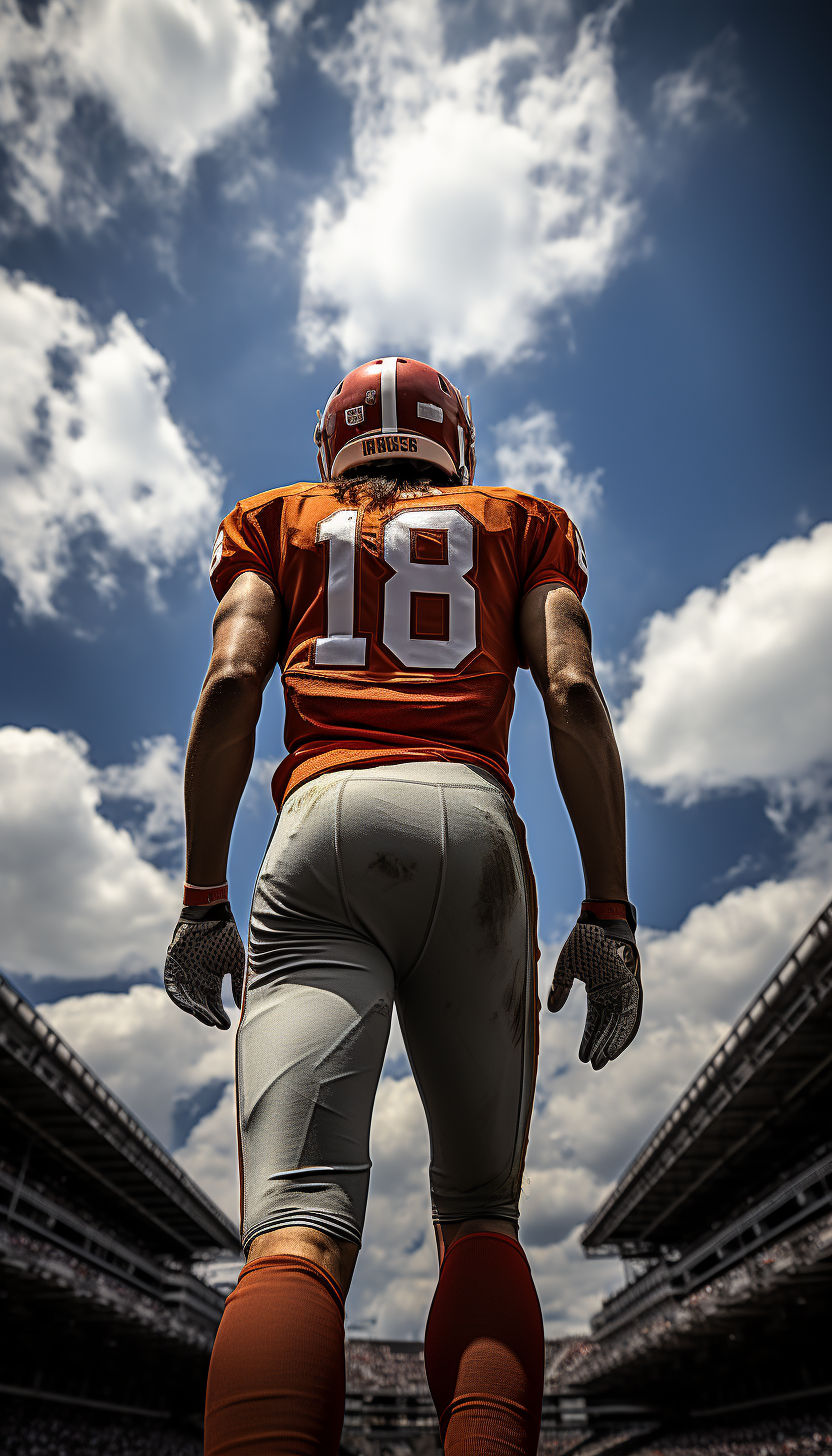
[601,950]
[206,944]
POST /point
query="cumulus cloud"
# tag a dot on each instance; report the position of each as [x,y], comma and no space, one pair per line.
[89,453]
[163,1064]
[706,90]
[154,783]
[150,1054]
[396,1273]
[210,1153]
[482,191]
[177,75]
[734,688]
[77,900]
[532,457]
[288,15]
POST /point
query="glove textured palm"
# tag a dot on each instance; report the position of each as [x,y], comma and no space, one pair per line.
[604,955]
[204,948]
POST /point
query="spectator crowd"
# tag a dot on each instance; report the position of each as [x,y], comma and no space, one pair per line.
[25,1432]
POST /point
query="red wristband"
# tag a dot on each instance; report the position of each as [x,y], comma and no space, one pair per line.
[606,909]
[204,894]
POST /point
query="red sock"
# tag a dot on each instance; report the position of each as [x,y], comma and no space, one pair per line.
[276,1382]
[484,1349]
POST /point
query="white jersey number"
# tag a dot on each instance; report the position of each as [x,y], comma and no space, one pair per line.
[429,609]
[340,648]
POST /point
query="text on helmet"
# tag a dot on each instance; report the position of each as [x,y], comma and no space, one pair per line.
[390,444]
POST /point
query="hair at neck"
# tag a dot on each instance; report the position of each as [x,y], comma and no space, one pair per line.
[380,487]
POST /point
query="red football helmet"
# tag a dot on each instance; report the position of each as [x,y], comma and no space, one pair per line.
[400,408]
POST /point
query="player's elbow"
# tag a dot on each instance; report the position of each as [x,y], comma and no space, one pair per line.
[233,686]
[571,698]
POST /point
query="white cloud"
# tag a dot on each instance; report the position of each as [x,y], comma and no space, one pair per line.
[288,15]
[155,781]
[735,686]
[534,13]
[265,241]
[532,457]
[36,104]
[77,900]
[155,1058]
[210,1154]
[178,75]
[708,89]
[88,448]
[148,1052]
[396,1273]
[483,190]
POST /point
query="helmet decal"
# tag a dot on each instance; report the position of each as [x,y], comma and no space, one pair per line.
[430,412]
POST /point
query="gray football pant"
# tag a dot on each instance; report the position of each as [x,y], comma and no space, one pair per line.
[406,884]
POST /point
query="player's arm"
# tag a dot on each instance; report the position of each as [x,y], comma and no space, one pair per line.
[601,950]
[221,745]
[557,640]
[206,944]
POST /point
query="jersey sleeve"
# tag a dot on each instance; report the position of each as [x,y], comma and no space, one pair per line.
[241,545]
[552,550]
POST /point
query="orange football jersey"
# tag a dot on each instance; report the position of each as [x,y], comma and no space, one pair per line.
[399,637]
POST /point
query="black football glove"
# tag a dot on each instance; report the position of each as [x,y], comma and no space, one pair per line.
[205,946]
[604,955]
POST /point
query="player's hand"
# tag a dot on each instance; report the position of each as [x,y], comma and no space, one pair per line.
[604,955]
[205,946]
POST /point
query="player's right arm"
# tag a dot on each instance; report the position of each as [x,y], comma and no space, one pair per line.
[221,746]
[601,951]
[206,944]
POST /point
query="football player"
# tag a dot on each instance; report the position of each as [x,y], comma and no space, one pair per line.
[399,599]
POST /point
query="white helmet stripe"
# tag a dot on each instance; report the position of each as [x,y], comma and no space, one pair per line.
[389,413]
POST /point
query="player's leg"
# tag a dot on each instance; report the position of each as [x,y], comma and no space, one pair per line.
[276,1379]
[469,1016]
[484,1349]
[337,1257]
[309,1053]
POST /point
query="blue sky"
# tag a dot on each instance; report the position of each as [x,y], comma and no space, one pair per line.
[610,226]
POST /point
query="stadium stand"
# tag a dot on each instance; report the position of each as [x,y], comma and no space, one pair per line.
[786,1436]
[726,1218]
[388,1406]
[70,1433]
[99,1229]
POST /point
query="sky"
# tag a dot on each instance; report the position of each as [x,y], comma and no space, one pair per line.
[610,226]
